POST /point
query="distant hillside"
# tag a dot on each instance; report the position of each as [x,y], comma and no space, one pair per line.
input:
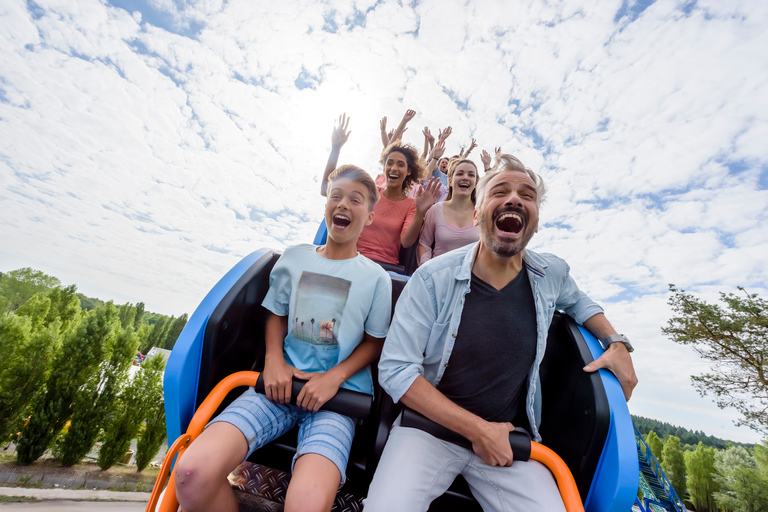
[687,437]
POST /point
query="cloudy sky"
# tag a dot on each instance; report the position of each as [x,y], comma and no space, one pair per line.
[147,145]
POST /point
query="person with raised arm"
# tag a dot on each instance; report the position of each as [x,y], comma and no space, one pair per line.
[398,218]
[397,134]
[449,224]
[464,349]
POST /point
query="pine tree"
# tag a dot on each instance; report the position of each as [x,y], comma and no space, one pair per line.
[700,468]
[674,464]
[80,354]
[151,440]
[743,484]
[96,401]
[137,398]
[734,338]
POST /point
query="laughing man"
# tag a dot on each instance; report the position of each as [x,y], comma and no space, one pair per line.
[464,350]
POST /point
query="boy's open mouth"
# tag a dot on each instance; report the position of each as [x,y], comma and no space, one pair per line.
[510,222]
[341,221]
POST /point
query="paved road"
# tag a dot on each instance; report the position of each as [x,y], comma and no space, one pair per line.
[72,506]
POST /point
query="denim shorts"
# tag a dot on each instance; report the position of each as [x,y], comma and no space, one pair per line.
[261,421]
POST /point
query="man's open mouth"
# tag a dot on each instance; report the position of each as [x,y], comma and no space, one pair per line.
[510,222]
[341,221]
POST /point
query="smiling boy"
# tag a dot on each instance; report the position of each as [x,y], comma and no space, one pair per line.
[330,313]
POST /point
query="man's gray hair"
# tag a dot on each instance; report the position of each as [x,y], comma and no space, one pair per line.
[507,162]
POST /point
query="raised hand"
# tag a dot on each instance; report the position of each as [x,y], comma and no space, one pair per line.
[409,114]
[428,135]
[427,195]
[390,134]
[383,124]
[340,134]
[444,133]
[485,157]
[472,145]
[498,152]
[439,149]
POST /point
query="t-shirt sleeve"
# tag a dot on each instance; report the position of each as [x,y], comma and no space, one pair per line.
[409,216]
[278,296]
[377,323]
[427,237]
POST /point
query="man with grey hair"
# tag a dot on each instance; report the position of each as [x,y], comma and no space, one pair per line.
[464,349]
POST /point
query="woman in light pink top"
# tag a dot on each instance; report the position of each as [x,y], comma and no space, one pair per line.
[449,224]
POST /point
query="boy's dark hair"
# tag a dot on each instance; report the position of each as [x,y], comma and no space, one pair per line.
[357,174]
[411,155]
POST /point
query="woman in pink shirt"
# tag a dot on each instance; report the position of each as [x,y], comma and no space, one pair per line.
[397,218]
[449,224]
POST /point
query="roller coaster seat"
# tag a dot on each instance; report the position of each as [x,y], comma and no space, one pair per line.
[584,416]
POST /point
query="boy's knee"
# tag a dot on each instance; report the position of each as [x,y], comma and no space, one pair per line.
[194,481]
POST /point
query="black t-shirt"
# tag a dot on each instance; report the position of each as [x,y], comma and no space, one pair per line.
[494,351]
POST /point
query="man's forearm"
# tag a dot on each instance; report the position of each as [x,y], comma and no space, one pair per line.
[423,397]
[599,326]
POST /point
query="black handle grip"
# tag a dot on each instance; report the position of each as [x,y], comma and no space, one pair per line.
[347,402]
[519,439]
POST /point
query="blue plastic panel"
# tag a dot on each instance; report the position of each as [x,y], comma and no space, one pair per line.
[617,477]
[322,234]
[182,370]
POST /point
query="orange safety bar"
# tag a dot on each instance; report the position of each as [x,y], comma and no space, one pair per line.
[200,419]
[565,482]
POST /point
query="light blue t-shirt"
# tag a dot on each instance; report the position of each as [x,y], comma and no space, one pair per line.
[329,304]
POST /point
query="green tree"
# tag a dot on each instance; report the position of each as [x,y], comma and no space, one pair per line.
[18,286]
[29,339]
[137,399]
[139,316]
[655,444]
[700,468]
[81,352]
[674,464]
[743,485]
[156,335]
[152,438]
[174,331]
[127,313]
[96,400]
[734,338]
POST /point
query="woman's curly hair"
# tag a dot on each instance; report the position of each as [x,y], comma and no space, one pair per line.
[411,155]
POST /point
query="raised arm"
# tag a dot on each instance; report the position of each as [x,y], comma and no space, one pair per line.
[435,155]
[485,157]
[383,128]
[429,142]
[338,139]
[398,135]
[472,145]
[425,197]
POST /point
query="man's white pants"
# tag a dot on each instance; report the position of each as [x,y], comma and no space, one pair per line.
[416,468]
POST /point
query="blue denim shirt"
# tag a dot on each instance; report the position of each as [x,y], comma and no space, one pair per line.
[428,313]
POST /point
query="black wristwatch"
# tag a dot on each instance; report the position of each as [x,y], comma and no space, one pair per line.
[616,338]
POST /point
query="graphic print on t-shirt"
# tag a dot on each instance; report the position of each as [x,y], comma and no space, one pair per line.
[320,303]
